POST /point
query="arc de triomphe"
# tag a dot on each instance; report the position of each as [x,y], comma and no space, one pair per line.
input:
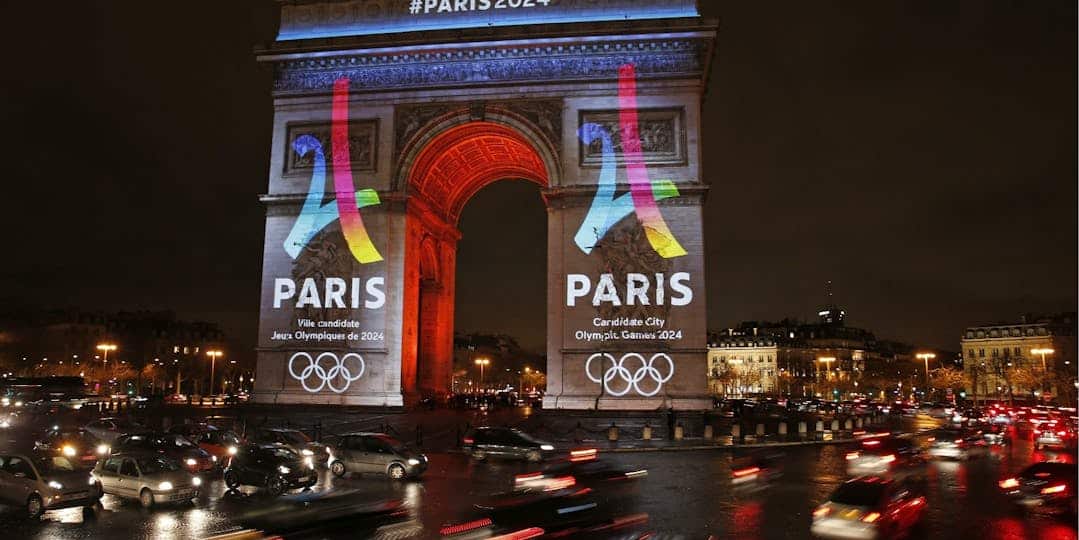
[390,114]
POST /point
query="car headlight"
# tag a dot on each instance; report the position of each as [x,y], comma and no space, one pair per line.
[55,485]
[191,462]
[5,402]
[283,469]
[4,424]
[68,450]
[413,461]
[18,404]
[102,449]
[196,481]
[232,450]
[164,486]
[310,462]
[307,452]
[546,447]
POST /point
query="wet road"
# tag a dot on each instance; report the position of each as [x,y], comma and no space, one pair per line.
[688,494]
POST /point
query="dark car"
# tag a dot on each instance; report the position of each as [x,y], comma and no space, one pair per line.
[579,470]
[375,453]
[294,439]
[177,447]
[1044,487]
[506,443]
[219,443]
[870,507]
[73,443]
[275,467]
[957,444]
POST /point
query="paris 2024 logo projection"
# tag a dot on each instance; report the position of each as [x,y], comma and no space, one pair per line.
[317,371]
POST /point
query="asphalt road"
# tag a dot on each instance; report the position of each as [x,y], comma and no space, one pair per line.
[686,494]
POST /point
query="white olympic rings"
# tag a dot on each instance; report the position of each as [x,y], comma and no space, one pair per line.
[327,376]
[618,370]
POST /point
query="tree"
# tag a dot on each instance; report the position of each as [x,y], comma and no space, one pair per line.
[1027,379]
[947,379]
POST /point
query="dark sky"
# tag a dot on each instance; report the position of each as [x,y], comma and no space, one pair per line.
[921,155]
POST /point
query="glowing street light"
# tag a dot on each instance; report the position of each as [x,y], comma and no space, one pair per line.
[827,361]
[1042,352]
[927,356]
[214,355]
[482,363]
[105,348]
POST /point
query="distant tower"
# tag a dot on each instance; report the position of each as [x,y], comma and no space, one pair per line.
[831,314]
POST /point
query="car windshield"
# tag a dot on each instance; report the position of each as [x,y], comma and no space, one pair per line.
[55,464]
[157,465]
[394,444]
[295,437]
[227,437]
[174,441]
[280,453]
[859,493]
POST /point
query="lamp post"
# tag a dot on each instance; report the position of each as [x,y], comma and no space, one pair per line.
[482,363]
[927,357]
[1045,370]
[214,355]
[827,361]
[106,347]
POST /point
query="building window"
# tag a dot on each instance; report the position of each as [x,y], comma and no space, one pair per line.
[1007,352]
[970,353]
[1017,353]
[175,348]
[981,353]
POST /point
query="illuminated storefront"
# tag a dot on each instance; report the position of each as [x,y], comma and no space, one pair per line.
[382,135]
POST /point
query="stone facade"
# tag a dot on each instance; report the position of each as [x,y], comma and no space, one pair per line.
[1000,360]
[435,116]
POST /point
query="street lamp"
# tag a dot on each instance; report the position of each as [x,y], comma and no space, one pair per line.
[106,347]
[214,355]
[827,360]
[1042,352]
[927,356]
[482,363]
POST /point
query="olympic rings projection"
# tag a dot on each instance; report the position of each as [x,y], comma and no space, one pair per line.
[326,376]
[618,370]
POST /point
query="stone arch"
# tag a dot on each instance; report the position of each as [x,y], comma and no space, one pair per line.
[444,166]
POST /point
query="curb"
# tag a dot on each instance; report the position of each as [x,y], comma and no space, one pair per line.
[698,447]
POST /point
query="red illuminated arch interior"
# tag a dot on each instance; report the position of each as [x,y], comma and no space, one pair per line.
[460,161]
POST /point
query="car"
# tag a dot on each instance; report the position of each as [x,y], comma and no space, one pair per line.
[109,428]
[41,481]
[149,477]
[504,442]
[177,447]
[377,453]
[274,466]
[176,398]
[882,456]
[219,443]
[294,439]
[1053,434]
[957,444]
[581,469]
[870,507]
[74,443]
[1046,487]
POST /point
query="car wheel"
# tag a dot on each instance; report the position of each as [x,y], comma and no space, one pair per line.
[479,455]
[533,456]
[338,469]
[397,471]
[146,498]
[232,480]
[276,485]
[34,507]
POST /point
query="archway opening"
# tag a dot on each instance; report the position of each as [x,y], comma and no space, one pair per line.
[450,168]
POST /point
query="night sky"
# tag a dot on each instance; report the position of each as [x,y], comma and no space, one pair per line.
[921,155]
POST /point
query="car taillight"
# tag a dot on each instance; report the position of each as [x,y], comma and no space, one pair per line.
[1008,483]
[746,472]
[464,527]
[562,482]
[821,511]
[1059,488]
[852,455]
[582,455]
[888,458]
[871,443]
[871,517]
[468,440]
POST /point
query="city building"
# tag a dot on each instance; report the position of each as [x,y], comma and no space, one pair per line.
[1033,358]
[825,357]
[118,352]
